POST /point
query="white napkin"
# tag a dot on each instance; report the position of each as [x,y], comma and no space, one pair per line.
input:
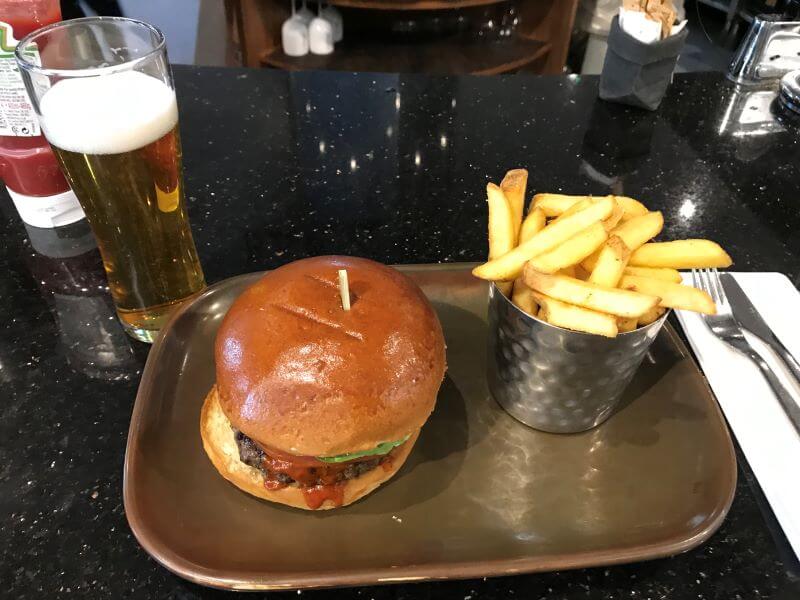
[765,434]
[636,24]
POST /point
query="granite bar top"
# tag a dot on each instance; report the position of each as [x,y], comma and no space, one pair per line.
[281,166]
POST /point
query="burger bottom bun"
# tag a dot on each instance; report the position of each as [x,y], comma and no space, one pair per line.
[220,445]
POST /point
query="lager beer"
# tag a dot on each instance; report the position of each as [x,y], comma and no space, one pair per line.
[116,137]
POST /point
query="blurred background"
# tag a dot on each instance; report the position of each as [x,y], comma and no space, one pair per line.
[432,36]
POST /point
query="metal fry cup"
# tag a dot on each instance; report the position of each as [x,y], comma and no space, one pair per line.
[555,379]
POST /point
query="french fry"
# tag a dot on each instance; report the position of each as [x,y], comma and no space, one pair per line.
[533,224]
[509,266]
[622,303]
[577,207]
[554,205]
[610,263]
[590,262]
[507,287]
[673,295]
[655,273]
[650,316]
[616,216]
[501,223]
[568,271]
[574,250]
[581,273]
[638,230]
[681,254]
[502,234]
[587,263]
[633,233]
[631,208]
[576,318]
[523,298]
[513,186]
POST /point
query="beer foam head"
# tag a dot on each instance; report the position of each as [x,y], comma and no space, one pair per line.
[108,114]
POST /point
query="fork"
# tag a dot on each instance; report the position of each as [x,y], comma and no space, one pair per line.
[724,326]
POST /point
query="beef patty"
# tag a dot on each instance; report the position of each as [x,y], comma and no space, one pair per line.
[250,453]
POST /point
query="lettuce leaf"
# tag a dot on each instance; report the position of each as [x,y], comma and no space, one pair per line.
[382,448]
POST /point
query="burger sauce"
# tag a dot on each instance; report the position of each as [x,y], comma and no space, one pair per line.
[316,495]
[316,479]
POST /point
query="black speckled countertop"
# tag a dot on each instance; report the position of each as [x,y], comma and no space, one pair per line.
[280,166]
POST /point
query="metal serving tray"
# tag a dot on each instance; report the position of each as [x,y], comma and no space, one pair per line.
[480,495]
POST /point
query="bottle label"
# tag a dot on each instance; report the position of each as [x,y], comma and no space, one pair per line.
[48,211]
[17,117]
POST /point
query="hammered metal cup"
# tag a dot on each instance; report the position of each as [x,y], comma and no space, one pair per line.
[555,379]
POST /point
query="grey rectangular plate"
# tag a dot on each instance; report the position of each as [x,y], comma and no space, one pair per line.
[480,495]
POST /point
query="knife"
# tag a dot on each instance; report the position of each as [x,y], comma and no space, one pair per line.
[747,316]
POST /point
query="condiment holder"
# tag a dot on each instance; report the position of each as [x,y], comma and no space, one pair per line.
[555,379]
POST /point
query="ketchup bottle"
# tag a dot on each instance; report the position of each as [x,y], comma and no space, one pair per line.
[27,165]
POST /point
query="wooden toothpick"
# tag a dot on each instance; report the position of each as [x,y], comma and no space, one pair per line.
[344,289]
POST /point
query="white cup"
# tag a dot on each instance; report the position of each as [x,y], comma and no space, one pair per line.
[304,13]
[320,36]
[294,37]
[334,17]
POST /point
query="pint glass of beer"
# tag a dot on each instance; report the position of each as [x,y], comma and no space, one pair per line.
[103,90]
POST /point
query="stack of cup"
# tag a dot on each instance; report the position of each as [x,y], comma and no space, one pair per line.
[303,32]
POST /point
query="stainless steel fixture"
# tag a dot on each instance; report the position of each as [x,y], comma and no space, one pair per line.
[789,93]
[770,49]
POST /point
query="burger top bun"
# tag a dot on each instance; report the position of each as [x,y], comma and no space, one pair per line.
[299,374]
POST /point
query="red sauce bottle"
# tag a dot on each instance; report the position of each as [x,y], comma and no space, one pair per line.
[27,164]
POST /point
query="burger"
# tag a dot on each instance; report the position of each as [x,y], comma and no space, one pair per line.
[315,406]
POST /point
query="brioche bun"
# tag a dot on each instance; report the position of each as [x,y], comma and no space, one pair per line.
[300,374]
[303,378]
[219,444]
